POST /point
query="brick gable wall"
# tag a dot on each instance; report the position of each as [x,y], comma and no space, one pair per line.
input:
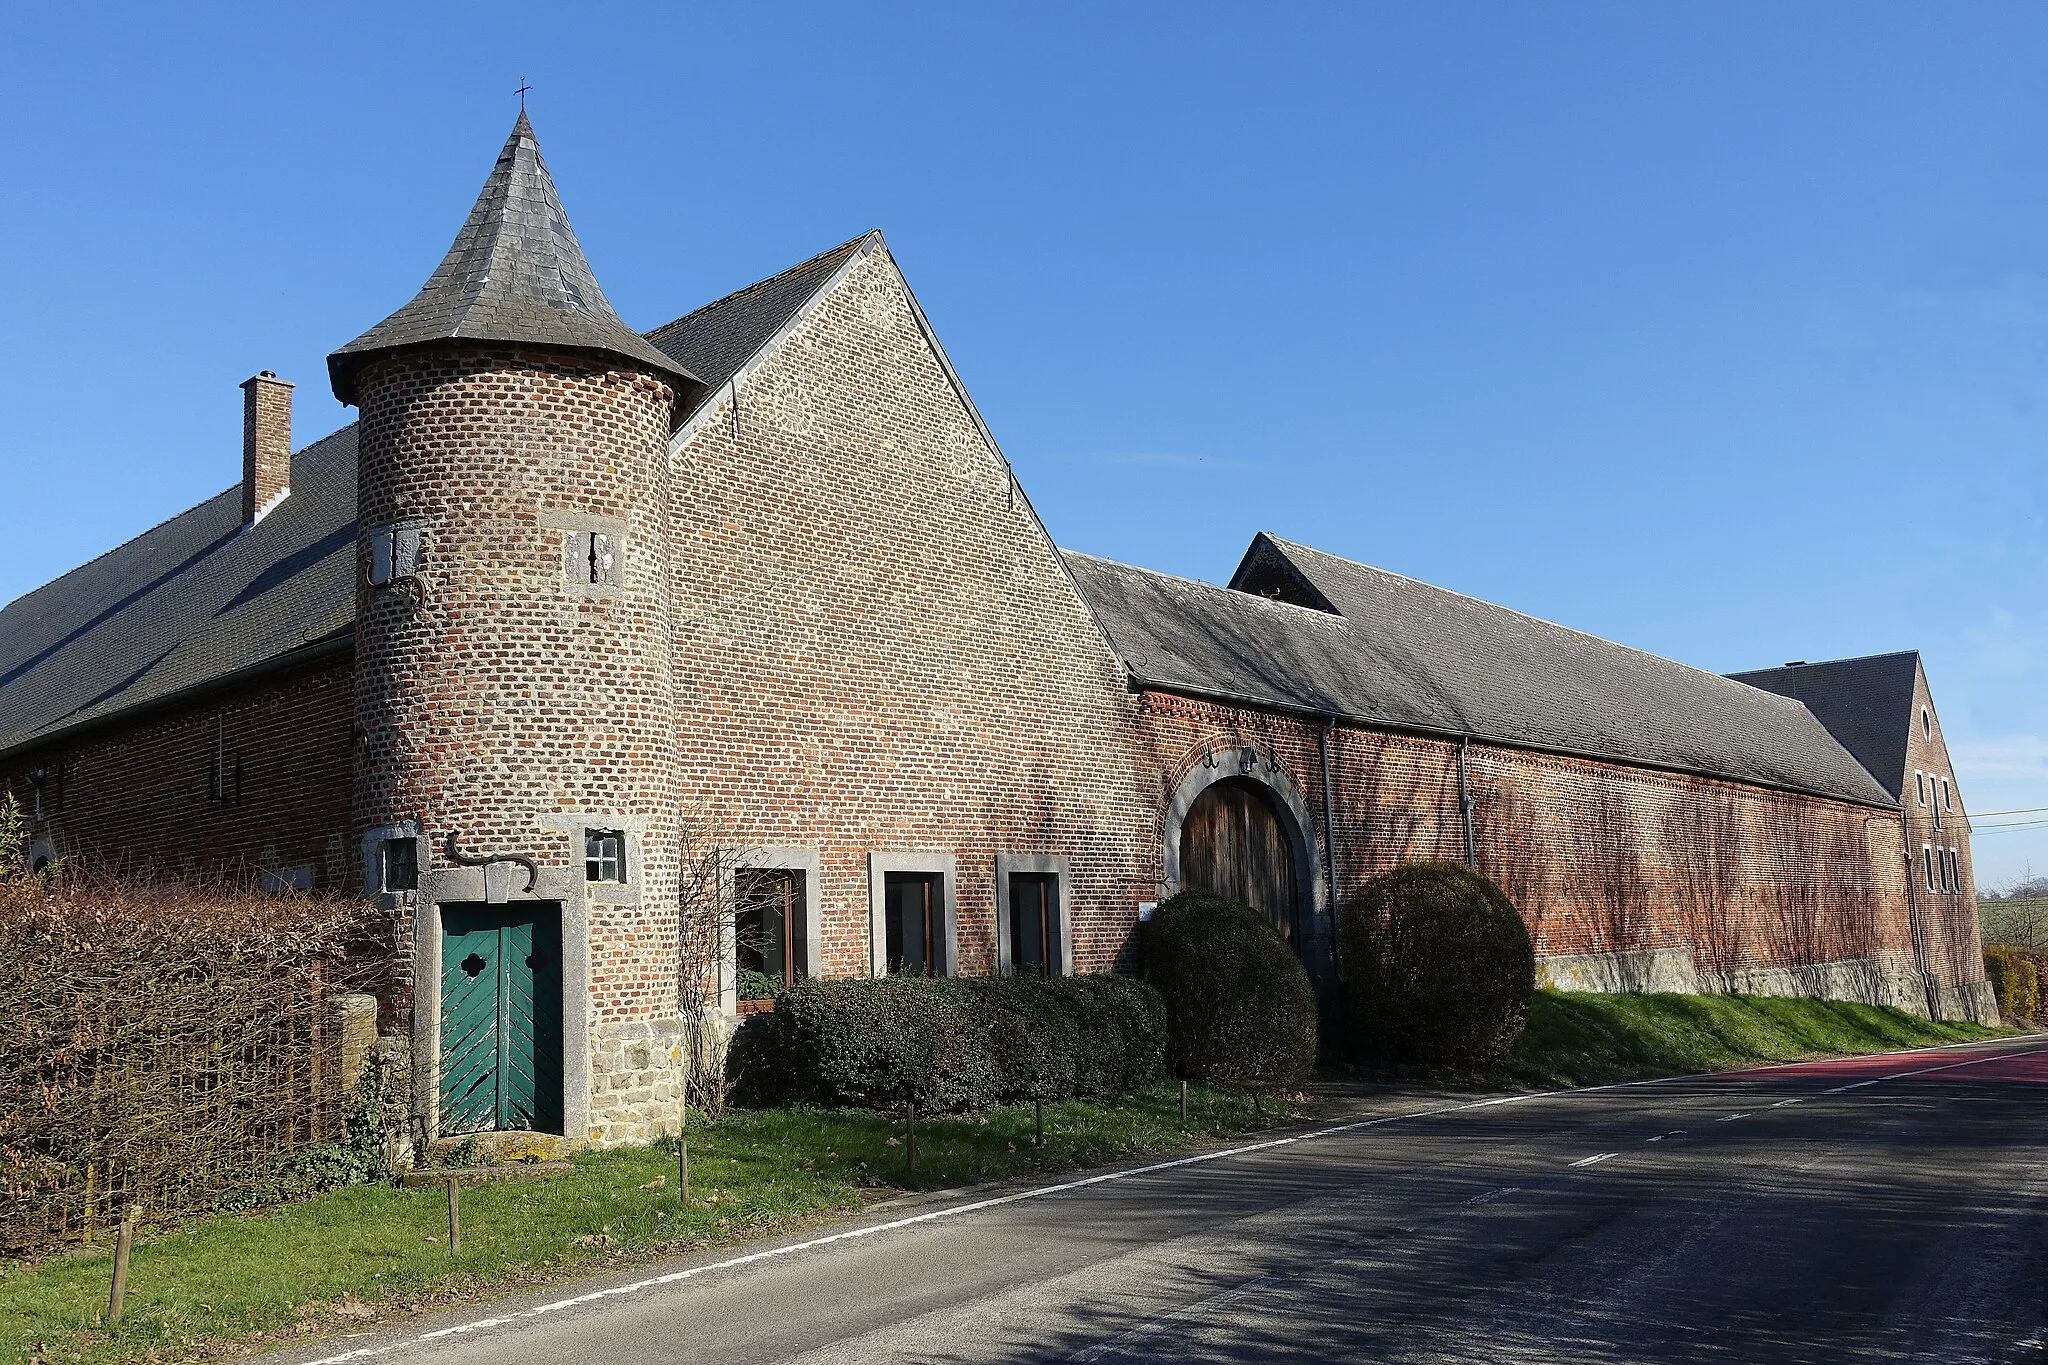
[879,648]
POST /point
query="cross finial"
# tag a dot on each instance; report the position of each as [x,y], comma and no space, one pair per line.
[523,88]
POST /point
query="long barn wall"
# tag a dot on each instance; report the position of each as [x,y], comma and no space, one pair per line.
[1628,878]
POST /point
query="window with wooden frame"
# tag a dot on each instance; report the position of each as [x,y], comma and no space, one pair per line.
[770,933]
[1034,923]
[912,930]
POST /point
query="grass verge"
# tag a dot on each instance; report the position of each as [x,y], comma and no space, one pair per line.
[354,1257]
[1575,1039]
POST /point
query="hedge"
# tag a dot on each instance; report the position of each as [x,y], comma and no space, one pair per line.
[1437,967]
[951,1043]
[2016,981]
[1239,1006]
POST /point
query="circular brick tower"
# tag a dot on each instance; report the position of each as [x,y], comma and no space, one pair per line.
[515,774]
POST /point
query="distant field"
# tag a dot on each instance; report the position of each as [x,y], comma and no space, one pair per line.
[2023,924]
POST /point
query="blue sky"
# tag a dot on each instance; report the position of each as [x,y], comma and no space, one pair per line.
[1716,330]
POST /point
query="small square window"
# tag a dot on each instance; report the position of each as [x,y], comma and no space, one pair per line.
[604,855]
[399,865]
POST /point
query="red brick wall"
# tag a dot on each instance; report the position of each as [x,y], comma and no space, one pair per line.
[1599,858]
[134,795]
[1949,924]
[879,648]
[504,697]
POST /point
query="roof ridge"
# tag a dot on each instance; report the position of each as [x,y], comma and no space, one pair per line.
[1235,594]
[762,283]
[1526,616]
[1830,663]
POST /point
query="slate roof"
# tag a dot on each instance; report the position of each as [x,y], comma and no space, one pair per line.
[719,338]
[1379,649]
[186,603]
[515,273]
[1866,703]
[198,600]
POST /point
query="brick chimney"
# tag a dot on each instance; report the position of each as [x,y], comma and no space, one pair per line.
[266,444]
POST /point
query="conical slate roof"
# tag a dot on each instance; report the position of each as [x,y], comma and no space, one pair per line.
[514,274]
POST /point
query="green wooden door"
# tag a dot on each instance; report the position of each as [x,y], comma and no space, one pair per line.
[501,1018]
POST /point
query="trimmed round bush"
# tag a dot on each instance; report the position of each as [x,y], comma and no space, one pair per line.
[1437,966]
[1239,1008]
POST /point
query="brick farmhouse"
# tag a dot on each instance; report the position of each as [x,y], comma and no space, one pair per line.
[571,608]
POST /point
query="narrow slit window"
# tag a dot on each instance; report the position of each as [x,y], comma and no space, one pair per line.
[604,855]
[1920,785]
[1927,864]
[1948,796]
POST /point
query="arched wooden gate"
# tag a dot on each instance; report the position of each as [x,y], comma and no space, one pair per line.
[1234,843]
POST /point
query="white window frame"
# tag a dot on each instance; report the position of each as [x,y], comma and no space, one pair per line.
[1920,785]
[1927,864]
[1055,864]
[1948,796]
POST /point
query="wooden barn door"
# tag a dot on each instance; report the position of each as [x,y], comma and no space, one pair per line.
[1234,844]
[501,1018]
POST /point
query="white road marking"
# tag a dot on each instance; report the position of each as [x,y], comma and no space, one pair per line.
[1042,1191]
[1857,1086]
[1590,1160]
[1491,1195]
[1782,1103]
[1731,1118]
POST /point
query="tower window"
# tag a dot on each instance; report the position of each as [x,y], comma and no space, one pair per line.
[1920,786]
[1926,723]
[1948,796]
[1927,864]
[398,865]
[595,559]
[604,855]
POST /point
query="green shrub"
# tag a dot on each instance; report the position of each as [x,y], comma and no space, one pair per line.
[1239,1008]
[952,1043]
[1437,967]
[2016,982]
[752,985]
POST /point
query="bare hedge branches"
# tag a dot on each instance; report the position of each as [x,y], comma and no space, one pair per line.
[166,1046]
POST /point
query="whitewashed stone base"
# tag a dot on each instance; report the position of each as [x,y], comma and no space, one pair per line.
[1883,980]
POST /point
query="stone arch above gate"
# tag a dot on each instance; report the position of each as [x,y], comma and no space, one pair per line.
[1256,766]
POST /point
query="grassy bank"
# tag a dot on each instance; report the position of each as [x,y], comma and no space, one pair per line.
[1580,1039]
[356,1256]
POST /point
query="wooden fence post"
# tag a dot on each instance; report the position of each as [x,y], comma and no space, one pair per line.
[454,1216]
[122,1245]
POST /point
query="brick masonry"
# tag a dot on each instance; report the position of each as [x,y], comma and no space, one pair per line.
[840,628]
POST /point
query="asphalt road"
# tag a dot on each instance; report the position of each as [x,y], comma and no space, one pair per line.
[1890,1208]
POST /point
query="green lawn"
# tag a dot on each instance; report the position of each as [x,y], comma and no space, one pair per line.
[1579,1039]
[372,1252]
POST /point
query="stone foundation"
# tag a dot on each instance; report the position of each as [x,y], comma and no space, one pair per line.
[1882,980]
[637,1074]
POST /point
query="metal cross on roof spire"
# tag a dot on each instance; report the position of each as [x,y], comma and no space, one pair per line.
[523,88]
